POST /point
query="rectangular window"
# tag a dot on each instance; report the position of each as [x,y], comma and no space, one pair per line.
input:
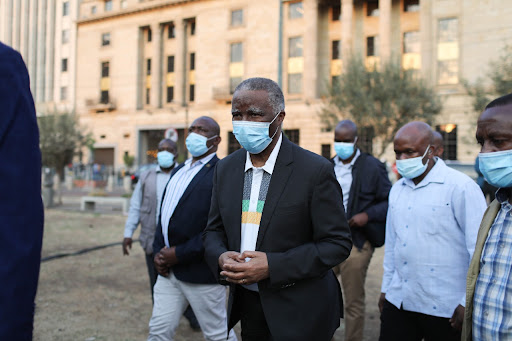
[108,5]
[372,8]
[233,144]
[411,5]
[170,94]
[192,61]
[65,36]
[193,27]
[192,94]
[237,18]
[295,10]
[448,51]
[124,4]
[171,31]
[236,54]
[170,64]
[365,139]
[148,95]
[148,67]
[336,13]
[336,49]
[293,135]
[64,65]
[105,69]
[295,47]
[295,83]
[449,134]
[93,10]
[104,97]
[233,83]
[412,42]
[372,46]
[63,93]
[150,34]
[105,39]
[326,151]
[65,8]
[335,80]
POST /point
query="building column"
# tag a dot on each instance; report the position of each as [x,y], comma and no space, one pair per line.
[385,29]
[17,26]
[25,29]
[310,49]
[140,70]
[427,45]
[41,51]
[347,14]
[50,54]
[8,22]
[156,73]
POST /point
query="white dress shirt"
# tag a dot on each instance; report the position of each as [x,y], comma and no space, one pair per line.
[344,176]
[134,213]
[431,232]
[175,189]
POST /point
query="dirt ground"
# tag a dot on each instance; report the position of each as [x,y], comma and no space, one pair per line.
[103,295]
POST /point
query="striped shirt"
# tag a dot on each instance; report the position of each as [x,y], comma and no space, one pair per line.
[492,312]
[256,183]
[175,189]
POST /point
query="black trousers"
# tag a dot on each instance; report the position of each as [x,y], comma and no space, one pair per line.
[252,320]
[402,325]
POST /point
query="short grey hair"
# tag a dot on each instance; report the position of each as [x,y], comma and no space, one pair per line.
[275,95]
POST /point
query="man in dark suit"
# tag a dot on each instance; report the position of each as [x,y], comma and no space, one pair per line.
[276,226]
[365,185]
[184,277]
[21,208]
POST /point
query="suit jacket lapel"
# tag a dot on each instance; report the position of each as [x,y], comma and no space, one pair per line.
[280,176]
[197,179]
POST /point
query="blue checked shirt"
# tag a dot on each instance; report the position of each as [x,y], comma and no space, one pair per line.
[492,312]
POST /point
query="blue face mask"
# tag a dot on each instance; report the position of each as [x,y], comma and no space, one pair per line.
[196,144]
[497,168]
[344,150]
[413,167]
[165,159]
[253,136]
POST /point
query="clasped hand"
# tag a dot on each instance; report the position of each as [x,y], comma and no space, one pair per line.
[164,260]
[237,270]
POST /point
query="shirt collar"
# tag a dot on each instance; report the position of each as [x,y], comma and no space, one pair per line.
[202,161]
[338,162]
[271,161]
[436,174]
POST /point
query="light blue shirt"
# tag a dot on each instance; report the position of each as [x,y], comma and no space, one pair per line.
[492,309]
[134,213]
[431,232]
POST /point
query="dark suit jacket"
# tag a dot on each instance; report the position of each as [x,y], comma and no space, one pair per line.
[21,208]
[186,225]
[304,233]
[368,193]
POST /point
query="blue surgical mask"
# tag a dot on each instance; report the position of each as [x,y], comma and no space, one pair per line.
[497,168]
[253,136]
[196,144]
[413,167]
[344,150]
[165,159]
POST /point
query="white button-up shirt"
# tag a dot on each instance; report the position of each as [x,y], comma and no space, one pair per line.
[344,176]
[175,189]
[431,232]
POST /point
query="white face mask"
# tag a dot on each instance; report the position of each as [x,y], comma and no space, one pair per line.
[413,167]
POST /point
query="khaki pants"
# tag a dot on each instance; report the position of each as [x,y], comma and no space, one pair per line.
[352,274]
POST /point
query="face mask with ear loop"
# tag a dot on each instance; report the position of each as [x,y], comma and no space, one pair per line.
[413,167]
[253,136]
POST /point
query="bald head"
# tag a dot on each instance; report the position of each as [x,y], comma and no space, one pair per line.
[208,124]
[168,145]
[345,131]
[437,142]
[416,131]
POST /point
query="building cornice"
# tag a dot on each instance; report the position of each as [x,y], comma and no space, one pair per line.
[143,7]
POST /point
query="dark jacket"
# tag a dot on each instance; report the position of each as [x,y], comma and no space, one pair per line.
[21,208]
[303,232]
[186,225]
[368,193]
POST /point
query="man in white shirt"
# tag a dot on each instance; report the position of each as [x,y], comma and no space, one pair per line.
[431,229]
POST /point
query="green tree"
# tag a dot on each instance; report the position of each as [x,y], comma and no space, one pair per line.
[385,98]
[496,83]
[61,137]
